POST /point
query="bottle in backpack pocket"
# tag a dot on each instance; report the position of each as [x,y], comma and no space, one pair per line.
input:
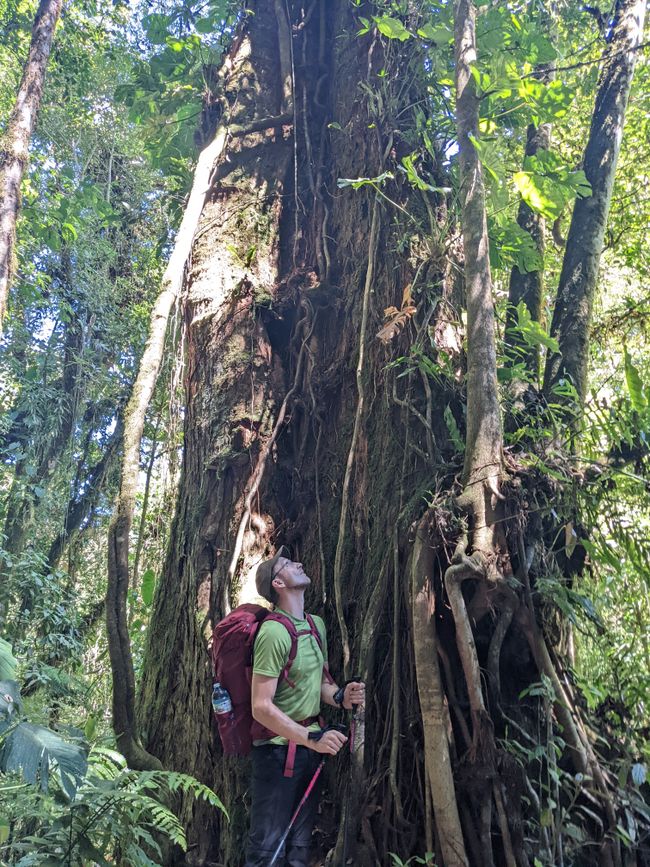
[225,716]
[221,703]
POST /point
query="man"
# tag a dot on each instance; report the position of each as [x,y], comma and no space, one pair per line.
[289,711]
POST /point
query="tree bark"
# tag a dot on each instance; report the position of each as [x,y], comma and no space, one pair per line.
[436,747]
[14,148]
[483,444]
[124,714]
[578,279]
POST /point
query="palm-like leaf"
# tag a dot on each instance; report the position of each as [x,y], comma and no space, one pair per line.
[8,661]
[34,750]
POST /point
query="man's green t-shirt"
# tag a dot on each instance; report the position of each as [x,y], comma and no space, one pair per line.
[272,648]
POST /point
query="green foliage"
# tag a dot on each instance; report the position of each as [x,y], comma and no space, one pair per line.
[392,28]
[61,806]
[532,332]
[546,185]
[148,586]
[454,432]
[512,247]
[8,661]
[429,860]
[634,385]
[113,810]
[165,88]
[35,751]
[357,183]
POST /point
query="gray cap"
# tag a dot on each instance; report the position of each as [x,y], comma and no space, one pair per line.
[264,575]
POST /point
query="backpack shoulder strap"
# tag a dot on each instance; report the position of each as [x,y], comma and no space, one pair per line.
[278,617]
[315,631]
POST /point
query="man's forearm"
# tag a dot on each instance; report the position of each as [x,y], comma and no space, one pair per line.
[327,691]
[271,717]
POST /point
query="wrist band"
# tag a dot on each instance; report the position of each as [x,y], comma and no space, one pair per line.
[339,695]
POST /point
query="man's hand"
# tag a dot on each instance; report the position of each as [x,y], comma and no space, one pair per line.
[329,743]
[355,693]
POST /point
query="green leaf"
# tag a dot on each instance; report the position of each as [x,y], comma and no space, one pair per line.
[356,183]
[547,185]
[532,190]
[148,586]
[438,35]
[36,751]
[489,156]
[8,661]
[454,432]
[90,728]
[69,232]
[510,245]
[413,176]
[639,774]
[634,384]
[204,25]
[392,28]
[156,28]
[532,332]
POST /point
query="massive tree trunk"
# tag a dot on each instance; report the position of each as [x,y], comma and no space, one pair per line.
[299,431]
[14,148]
[125,722]
[572,314]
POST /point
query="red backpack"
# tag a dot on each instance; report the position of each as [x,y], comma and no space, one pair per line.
[232,661]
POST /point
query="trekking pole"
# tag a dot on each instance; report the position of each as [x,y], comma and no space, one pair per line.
[346,808]
[308,792]
[283,839]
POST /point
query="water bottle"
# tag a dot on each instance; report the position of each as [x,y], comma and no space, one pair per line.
[221,703]
[225,716]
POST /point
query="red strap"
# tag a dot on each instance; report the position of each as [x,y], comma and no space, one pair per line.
[291,759]
[292,745]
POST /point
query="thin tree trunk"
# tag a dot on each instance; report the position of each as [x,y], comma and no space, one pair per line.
[572,315]
[482,469]
[78,510]
[437,760]
[14,150]
[145,502]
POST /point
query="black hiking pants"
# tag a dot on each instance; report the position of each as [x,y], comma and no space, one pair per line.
[274,800]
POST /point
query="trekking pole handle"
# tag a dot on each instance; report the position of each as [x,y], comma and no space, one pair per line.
[316,736]
[339,695]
